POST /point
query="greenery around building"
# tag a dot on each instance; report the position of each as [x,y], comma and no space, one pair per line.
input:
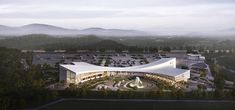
[224,61]
[23,85]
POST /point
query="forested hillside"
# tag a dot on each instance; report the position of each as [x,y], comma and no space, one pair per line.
[40,41]
[90,42]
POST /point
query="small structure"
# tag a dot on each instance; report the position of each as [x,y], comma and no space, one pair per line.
[178,51]
[125,51]
[25,51]
[110,51]
[82,51]
[216,51]
[59,51]
[137,83]
[195,57]
[39,51]
[227,51]
[207,51]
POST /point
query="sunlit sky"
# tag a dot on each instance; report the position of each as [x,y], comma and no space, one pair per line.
[158,16]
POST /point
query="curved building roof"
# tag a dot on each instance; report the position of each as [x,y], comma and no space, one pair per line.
[165,66]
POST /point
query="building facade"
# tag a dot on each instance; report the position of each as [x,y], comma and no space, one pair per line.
[163,69]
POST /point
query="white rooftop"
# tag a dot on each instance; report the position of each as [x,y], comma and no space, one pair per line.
[161,66]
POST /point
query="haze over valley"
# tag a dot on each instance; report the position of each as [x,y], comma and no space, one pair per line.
[157,17]
[54,30]
[37,28]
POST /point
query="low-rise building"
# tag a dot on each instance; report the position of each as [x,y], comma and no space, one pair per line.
[195,57]
[59,51]
[178,51]
[39,51]
[216,51]
[163,69]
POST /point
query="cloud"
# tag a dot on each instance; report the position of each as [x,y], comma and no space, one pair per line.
[164,15]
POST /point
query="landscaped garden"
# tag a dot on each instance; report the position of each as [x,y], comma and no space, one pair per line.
[127,83]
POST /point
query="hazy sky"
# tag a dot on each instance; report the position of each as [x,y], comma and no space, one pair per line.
[159,16]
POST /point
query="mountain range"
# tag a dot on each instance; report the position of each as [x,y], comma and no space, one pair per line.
[54,30]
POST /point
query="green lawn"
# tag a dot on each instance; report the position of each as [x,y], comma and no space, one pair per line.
[140,105]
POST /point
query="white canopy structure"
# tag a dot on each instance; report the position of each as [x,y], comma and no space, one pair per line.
[164,68]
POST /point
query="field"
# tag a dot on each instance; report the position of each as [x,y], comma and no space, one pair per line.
[74,104]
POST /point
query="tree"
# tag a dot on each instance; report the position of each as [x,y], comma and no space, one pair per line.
[72,87]
[21,87]
[218,81]
[159,94]
[104,92]
[151,94]
[167,49]
[202,73]
[83,92]
[130,94]
[180,94]
[119,93]
[232,92]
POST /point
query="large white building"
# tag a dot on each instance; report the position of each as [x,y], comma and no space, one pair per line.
[163,69]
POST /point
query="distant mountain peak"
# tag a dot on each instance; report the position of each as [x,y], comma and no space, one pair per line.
[3,26]
[93,28]
[37,25]
[37,28]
